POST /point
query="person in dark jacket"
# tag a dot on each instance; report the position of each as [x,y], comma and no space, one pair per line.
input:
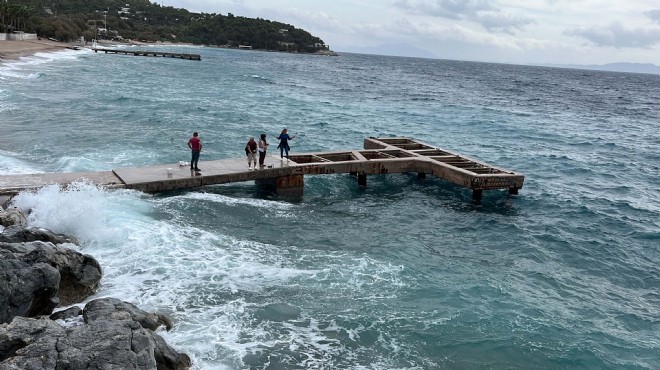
[263,146]
[284,144]
[251,151]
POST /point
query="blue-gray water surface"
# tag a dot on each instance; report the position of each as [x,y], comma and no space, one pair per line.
[402,274]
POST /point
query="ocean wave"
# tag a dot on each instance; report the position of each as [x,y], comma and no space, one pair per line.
[12,164]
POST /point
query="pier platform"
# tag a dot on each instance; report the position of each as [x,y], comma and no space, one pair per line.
[149,53]
[379,156]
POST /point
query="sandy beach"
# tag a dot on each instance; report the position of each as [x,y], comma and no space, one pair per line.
[12,50]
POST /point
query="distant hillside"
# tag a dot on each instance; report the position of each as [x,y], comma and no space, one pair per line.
[614,67]
[143,20]
[391,50]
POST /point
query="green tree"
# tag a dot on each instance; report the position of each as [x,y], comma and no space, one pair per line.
[151,21]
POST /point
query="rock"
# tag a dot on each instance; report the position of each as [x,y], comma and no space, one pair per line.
[66,314]
[114,341]
[26,289]
[79,274]
[20,234]
[119,310]
[4,201]
[30,344]
[13,216]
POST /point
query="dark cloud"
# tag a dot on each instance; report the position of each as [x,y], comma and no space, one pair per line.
[617,36]
[654,15]
[478,11]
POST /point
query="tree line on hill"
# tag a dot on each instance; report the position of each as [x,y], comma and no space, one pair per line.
[142,20]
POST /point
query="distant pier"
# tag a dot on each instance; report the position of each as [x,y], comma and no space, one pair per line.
[379,156]
[149,53]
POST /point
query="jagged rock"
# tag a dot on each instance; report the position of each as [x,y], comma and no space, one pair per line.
[29,343]
[80,273]
[104,342]
[4,201]
[20,234]
[119,310]
[26,289]
[13,216]
[66,314]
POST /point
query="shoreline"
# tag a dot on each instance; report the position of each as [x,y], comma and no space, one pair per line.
[14,50]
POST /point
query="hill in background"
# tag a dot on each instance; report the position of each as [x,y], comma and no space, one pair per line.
[142,20]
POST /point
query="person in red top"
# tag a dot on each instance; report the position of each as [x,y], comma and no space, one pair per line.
[196,146]
[251,151]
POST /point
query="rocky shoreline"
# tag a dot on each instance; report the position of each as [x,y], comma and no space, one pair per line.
[39,272]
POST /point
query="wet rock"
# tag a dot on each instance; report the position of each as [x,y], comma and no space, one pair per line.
[119,310]
[79,274]
[66,314]
[20,234]
[4,201]
[13,216]
[26,289]
[109,339]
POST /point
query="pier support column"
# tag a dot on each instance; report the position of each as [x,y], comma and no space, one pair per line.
[477,194]
[513,191]
[421,175]
[290,185]
[362,179]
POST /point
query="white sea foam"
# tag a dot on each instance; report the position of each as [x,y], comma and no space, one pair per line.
[24,67]
[238,201]
[82,210]
[205,280]
[275,208]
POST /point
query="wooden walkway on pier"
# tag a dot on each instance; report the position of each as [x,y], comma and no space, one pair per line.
[379,156]
[150,53]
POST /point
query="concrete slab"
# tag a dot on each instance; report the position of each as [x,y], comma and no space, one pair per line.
[12,184]
[380,156]
[173,171]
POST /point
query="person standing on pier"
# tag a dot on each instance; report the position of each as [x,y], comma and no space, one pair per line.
[196,146]
[284,144]
[263,146]
[251,151]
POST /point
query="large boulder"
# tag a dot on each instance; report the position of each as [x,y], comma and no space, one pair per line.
[13,216]
[119,310]
[108,339]
[20,234]
[80,274]
[26,289]
[38,276]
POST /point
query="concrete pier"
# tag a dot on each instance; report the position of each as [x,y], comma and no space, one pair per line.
[380,156]
[144,53]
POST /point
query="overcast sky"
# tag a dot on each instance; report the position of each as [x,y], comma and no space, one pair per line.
[508,31]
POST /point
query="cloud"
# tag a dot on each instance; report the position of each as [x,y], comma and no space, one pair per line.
[318,19]
[477,11]
[654,15]
[500,22]
[618,36]
[452,9]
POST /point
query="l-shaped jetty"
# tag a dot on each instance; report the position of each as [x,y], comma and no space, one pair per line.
[379,156]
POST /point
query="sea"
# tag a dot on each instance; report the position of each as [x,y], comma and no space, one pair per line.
[404,273]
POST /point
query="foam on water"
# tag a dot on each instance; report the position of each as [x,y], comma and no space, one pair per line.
[81,210]
[212,284]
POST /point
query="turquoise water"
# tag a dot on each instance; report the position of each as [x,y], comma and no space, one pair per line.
[401,274]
